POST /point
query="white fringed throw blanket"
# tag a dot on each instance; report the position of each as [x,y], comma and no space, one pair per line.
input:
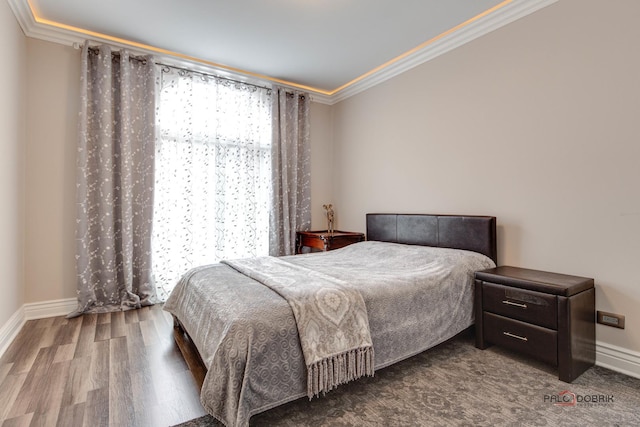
[331,318]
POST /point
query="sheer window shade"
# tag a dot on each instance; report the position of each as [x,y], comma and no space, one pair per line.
[213,173]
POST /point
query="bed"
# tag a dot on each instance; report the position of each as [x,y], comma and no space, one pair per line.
[241,337]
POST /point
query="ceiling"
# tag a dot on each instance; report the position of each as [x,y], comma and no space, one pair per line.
[323,46]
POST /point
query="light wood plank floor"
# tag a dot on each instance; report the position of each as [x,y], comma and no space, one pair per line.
[113,369]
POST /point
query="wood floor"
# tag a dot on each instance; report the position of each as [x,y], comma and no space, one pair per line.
[112,369]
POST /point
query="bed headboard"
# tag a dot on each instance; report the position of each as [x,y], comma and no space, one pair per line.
[468,232]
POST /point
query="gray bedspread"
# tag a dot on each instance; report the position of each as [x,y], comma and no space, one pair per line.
[416,297]
[332,321]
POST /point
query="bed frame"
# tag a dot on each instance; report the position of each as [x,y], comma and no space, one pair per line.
[467,232]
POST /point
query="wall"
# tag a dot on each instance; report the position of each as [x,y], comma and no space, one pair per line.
[53,105]
[321,163]
[12,139]
[537,123]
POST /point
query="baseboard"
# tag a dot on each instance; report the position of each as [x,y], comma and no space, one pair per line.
[41,310]
[10,330]
[618,359]
[32,311]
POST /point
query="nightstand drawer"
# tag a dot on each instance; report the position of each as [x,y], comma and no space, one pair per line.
[541,343]
[528,306]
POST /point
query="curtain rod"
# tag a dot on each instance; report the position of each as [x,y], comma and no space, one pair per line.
[143,59]
[202,73]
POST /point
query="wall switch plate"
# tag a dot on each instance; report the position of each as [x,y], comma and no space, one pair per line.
[611,319]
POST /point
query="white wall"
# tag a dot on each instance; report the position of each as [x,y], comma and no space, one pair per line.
[53,107]
[537,123]
[13,51]
[321,163]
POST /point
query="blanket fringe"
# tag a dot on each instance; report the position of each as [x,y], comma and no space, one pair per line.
[328,373]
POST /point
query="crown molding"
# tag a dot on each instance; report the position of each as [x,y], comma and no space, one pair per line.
[499,18]
[33,29]
[503,16]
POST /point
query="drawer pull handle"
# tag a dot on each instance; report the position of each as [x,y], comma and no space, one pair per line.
[509,334]
[517,304]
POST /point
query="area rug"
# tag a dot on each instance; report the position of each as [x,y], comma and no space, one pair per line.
[455,384]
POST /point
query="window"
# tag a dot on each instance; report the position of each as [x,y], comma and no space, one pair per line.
[213,173]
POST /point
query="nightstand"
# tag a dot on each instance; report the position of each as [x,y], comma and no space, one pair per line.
[326,241]
[548,316]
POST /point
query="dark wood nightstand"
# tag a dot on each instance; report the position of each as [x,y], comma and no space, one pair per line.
[548,316]
[326,241]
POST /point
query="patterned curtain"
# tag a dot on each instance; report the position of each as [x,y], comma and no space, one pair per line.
[115,181]
[291,159]
[213,173]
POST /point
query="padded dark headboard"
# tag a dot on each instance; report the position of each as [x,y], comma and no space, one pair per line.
[468,232]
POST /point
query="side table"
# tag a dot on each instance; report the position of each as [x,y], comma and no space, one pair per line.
[325,241]
[548,316]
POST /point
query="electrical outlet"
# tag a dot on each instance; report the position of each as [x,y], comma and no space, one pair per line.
[611,319]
